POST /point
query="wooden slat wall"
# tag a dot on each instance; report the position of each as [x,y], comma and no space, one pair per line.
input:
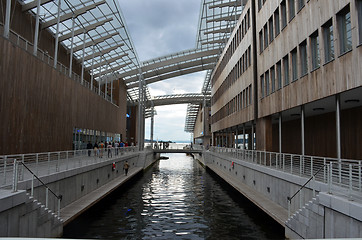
[39,106]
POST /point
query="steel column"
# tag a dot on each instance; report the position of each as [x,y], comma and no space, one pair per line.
[7,19]
[56,37]
[36,34]
[338,127]
[82,72]
[92,76]
[71,48]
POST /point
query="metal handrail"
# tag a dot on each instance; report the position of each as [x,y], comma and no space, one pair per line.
[289,199]
[47,189]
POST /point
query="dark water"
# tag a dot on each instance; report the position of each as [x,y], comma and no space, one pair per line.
[175,199]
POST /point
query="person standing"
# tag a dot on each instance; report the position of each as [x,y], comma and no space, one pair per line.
[95,147]
[126,167]
[101,147]
[109,147]
[89,147]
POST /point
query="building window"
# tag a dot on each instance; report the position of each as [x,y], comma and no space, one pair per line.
[250,95]
[286,70]
[277,22]
[249,56]
[266,36]
[279,74]
[260,4]
[271,30]
[284,14]
[303,58]
[359,9]
[291,4]
[272,78]
[328,41]
[261,41]
[301,4]
[262,86]
[294,65]
[267,88]
[344,30]
[314,41]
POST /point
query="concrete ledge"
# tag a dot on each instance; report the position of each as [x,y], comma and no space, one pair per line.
[342,205]
[275,211]
[73,210]
[10,199]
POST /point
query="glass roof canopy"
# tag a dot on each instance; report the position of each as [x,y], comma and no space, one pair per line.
[216,23]
[100,23]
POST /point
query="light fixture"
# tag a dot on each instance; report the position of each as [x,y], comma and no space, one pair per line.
[352,101]
[318,109]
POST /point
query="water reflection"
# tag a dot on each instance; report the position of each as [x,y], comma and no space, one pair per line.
[176,199]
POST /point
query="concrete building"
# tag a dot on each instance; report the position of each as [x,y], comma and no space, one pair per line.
[290,76]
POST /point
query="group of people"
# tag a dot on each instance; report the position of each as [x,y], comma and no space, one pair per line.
[101,147]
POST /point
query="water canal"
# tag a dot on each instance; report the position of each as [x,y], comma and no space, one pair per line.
[175,199]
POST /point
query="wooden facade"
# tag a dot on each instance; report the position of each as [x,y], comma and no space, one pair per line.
[315,83]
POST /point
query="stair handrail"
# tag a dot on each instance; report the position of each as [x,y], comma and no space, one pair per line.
[289,199]
[47,189]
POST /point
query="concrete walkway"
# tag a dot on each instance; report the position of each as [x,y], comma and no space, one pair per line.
[73,210]
[277,212]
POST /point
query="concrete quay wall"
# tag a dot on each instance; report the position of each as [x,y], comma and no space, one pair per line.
[19,210]
[323,216]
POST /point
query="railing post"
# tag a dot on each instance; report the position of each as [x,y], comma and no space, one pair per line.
[67,159]
[300,165]
[57,166]
[359,176]
[324,169]
[5,170]
[350,181]
[313,186]
[330,178]
[36,163]
[22,168]
[284,163]
[311,166]
[15,176]
[58,207]
[291,165]
[48,163]
[264,158]
[46,197]
[32,186]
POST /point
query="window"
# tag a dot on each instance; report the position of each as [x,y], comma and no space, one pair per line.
[344,29]
[266,40]
[249,56]
[359,9]
[277,22]
[328,41]
[291,4]
[262,85]
[301,4]
[303,58]
[250,95]
[314,41]
[272,78]
[261,41]
[267,88]
[294,65]
[260,4]
[286,70]
[279,74]
[284,14]
[271,29]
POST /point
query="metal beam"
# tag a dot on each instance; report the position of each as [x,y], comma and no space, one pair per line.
[70,14]
[226,4]
[97,54]
[90,43]
[86,28]
[108,61]
[33,4]
[111,70]
[222,30]
[226,18]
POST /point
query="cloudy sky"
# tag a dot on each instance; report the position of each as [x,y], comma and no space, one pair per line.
[158,28]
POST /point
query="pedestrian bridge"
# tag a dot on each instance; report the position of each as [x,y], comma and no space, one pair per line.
[177,150]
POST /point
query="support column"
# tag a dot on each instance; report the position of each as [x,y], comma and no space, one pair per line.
[36,32]
[71,48]
[302,129]
[111,91]
[236,138]
[280,132]
[338,127]
[140,110]
[7,19]
[92,76]
[244,136]
[82,72]
[57,37]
